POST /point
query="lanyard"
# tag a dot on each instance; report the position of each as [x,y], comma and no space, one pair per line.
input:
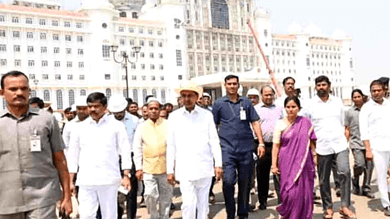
[231,108]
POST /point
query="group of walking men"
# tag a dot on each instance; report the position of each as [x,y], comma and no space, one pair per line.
[107,147]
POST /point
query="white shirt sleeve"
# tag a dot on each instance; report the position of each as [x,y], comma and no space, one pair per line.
[125,147]
[171,146]
[137,147]
[214,141]
[73,152]
[363,123]
[66,134]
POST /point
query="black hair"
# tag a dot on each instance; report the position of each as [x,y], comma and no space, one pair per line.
[168,104]
[67,110]
[135,103]
[357,91]
[377,82]
[262,88]
[147,98]
[288,78]
[230,77]
[13,74]
[322,78]
[97,96]
[129,100]
[38,101]
[292,98]
[384,80]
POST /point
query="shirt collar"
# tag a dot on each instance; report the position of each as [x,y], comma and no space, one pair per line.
[30,110]
[195,110]
[226,98]
[384,103]
[101,120]
[157,123]
[330,99]
[263,105]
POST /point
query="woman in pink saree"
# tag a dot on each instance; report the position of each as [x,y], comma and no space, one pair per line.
[293,157]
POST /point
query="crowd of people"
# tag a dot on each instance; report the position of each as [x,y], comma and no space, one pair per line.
[108,152]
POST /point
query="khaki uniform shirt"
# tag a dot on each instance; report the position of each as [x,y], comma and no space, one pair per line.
[28,180]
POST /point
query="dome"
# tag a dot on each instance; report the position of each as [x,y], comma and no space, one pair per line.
[313,30]
[295,28]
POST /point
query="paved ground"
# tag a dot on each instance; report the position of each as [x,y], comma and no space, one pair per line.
[365,208]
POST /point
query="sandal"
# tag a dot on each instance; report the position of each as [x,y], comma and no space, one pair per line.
[347,216]
[328,215]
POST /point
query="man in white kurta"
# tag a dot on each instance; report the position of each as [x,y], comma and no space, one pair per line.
[374,120]
[93,155]
[193,143]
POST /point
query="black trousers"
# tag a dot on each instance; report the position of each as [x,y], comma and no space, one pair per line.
[263,170]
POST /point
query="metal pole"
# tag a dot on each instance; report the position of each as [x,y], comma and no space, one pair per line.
[127,81]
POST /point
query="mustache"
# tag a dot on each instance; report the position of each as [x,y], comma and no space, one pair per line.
[20,97]
[321,93]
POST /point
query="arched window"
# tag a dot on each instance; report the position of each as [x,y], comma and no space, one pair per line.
[220,14]
[83,92]
[71,97]
[135,95]
[59,99]
[144,94]
[33,93]
[163,96]
[154,93]
[108,93]
[46,95]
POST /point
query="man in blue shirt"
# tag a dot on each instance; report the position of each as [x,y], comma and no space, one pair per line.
[234,116]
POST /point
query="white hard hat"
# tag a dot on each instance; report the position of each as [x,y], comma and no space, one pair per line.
[153,99]
[205,94]
[253,91]
[81,101]
[117,103]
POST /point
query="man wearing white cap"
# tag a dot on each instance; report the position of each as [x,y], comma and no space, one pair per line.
[81,115]
[117,106]
[253,96]
[193,143]
[206,101]
[150,160]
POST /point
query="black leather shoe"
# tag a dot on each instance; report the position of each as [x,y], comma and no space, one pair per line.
[369,195]
[262,207]
[355,186]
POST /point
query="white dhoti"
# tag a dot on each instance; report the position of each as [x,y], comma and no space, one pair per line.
[195,196]
[91,197]
[381,162]
[157,190]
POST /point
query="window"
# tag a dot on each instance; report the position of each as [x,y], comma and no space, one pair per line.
[45,77]
[131,42]
[142,55]
[122,42]
[56,37]
[106,51]
[81,64]
[121,29]
[308,61]
[131,30]
[151,67]
[56,49]
[141,43]
[30,49]
[2,33]
[43,36]
[80,52]
[150,31]
[107,76]
[3,48]
[68,38]
[15,19]
[54,23]
[151,43]
[152,78]
[178,58]
[161,67]
[220,14]
[68,51]
[178,22]
[42,22]
[18,62]
[71,96]
[2,18]
[69,64]
[180,77]
[70,77]
[79,25]
[159,32]
[141,30]
[160,55]
[160,44]
[33,93]
[134,77]
[30,35]
[143,66]
[57,77]
[151,55]
[3,62]
[162,78]
[46,94]
[66,24]
[83,92]
[31,76]
[81,77]
[108,93]
[59,99]
[80,39]
[28,20]
[135,95]
[31,63]
[57,64]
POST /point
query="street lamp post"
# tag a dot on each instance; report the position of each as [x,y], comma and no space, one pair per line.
[125,59]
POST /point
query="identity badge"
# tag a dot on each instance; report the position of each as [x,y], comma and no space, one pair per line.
[242,114]
[35,142]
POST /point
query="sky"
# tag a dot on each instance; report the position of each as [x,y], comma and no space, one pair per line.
[366,22]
